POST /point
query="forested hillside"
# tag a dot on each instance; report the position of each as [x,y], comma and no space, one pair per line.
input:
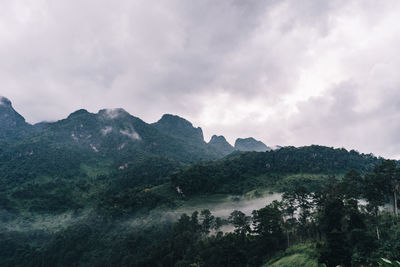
[244,171]
[108,189]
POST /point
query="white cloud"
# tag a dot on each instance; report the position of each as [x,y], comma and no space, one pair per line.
[106,130]
[131,133]
[113,113]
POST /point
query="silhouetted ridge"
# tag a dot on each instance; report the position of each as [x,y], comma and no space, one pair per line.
[12,124]
[250,144]
[179,127]
[221,145]
[5,101]
[78,113]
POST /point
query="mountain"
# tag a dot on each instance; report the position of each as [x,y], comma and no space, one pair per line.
[111,149]
[112,133]
[250,144]
[183,130]
[12,125]
[84,143]
[178,127]
[220,144]
[108,133]
[106,189]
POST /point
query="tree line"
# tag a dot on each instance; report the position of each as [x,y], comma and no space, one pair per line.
[344,218]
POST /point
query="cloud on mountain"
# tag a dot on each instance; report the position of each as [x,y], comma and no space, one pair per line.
[285,72]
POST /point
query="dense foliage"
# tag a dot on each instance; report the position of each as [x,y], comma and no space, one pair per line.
[344,231]
[237,171]
[108,189]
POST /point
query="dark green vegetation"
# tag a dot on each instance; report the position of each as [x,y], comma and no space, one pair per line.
[220,143]
[244,171]
[104,190]
[329,227]
[250,144]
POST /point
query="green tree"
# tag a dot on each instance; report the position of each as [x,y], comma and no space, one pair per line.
[268,225]
[207,221]
[389,174]
[352,184]
[335,251]
[241,222]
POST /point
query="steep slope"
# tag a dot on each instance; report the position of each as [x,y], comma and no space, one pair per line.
[113,136]
[107,133]
[64,164]
[250,144]
[178,127]
[183,130]
[12,125]
[220,144]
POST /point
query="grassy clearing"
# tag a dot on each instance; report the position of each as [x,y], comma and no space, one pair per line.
[296,256]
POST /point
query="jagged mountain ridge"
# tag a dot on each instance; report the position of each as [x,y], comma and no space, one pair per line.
[109,143]
[112,129]
[112,138]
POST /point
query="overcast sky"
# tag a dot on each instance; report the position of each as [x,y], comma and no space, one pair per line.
[285,72]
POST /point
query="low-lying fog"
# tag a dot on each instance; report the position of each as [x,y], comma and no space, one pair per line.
[225,207]
[220,206]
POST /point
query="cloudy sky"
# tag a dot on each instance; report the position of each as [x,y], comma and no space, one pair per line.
[286,72]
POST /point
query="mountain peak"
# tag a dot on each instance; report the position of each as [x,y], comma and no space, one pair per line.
[216,139]
[220,144]
[250,144]
[12,124]
[179,127]
[79,112]
[170,118]
[4,101]
[113,113]
[8,113]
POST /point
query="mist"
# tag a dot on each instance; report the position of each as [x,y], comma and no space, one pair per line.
[220,206]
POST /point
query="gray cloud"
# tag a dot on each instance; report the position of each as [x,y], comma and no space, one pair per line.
[286,72]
